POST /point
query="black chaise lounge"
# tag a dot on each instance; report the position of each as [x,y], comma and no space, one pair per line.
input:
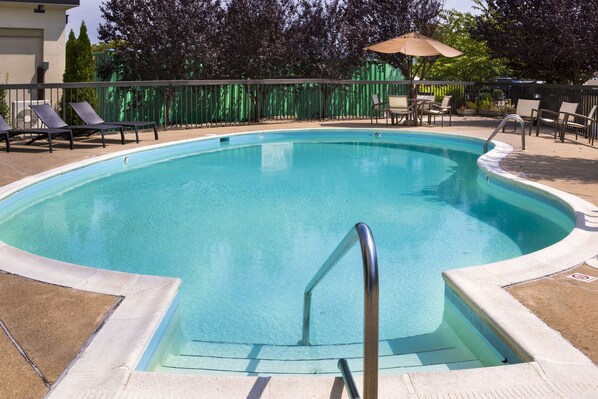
[89,116]
[51,119]
[6,132]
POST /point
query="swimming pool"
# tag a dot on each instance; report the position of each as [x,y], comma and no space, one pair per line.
[258,214]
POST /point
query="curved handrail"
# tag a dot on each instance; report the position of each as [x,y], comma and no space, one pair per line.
[507,118]
[352,391]
[362,233]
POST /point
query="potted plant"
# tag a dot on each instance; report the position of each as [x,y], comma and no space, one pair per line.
[467,109]
[487,107]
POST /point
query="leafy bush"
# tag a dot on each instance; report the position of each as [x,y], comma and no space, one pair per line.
[4,109]
[498,94]
[486,105]
[485,97]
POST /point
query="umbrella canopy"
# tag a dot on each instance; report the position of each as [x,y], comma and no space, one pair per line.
[414,44]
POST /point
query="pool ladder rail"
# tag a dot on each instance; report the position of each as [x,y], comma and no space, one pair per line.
[510,117]
[362,233]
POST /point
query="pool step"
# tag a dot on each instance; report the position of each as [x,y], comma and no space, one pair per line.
[430,352]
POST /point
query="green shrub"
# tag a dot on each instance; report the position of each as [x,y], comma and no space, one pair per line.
[4,109]
[485,97]
[79,68]
[486,105]
[498,94]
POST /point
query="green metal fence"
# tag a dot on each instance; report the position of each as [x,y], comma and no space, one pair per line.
[204,103]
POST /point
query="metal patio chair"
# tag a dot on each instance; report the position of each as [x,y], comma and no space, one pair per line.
[90,117]
[399,106]
[441,109]
[51,119]
[6,132]
[557,119]
[588,126]
[526,109]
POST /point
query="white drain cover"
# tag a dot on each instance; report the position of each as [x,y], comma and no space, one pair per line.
[582,277]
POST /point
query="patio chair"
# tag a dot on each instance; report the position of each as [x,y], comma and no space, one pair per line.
[424,103]
[399,106]
[441,109]
[378,108]
[557,119]
[6,132]
[589,124]
[90,117]
[526,109]
[51,119]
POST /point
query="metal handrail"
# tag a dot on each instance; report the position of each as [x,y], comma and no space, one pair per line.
[352,390]
[214,82]
[506,119]
[362,233]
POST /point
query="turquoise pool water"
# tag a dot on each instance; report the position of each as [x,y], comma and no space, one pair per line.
[246,222]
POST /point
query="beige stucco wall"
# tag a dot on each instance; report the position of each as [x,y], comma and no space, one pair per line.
[51,26]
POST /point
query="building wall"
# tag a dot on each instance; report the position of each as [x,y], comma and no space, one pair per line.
[28,39]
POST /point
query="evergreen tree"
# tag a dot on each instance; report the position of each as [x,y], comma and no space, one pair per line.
[3,104]
[85,56]
[70,69]
[79,68]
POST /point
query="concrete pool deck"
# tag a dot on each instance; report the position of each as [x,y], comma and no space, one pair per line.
[571,167]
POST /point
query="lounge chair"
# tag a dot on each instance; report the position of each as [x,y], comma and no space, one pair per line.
[6,132]
[90,117]
[526,109]
[51,119]
[588,126]
[399,106]
[557,119]
[441,109]
[378,108]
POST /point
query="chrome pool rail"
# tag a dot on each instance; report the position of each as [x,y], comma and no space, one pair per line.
[510,117]
[352,390]
[362,233]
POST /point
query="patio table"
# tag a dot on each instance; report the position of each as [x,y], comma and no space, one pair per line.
[418,103]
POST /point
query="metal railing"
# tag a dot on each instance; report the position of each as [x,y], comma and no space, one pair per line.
[362,233]
[550,95]
[503,122]
[352,390]
[206,103]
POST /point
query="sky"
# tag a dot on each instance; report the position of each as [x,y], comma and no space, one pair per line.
[89,11]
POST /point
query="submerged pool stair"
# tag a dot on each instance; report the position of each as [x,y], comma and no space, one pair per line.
[441,350]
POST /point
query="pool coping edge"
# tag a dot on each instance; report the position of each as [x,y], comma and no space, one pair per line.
[102,367]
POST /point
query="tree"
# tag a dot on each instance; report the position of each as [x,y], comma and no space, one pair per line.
[476,63]
[391,18]
[254,43]
[321,47]
[551,40]
[162,39]
[79,68]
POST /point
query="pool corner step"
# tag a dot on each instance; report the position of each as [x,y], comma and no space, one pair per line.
[404,354]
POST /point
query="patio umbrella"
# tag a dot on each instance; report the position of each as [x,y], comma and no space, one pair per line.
[414,44]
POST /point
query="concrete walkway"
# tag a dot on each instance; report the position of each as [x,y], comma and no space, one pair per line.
[51,324]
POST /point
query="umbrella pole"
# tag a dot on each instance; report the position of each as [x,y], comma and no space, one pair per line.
[411,78]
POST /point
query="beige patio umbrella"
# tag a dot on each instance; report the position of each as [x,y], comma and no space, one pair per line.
[414,44]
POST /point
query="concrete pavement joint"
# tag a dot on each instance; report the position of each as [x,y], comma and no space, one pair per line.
[22,352]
